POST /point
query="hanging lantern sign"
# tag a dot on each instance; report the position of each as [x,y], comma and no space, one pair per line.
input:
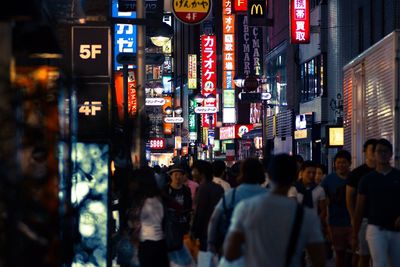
[191,12]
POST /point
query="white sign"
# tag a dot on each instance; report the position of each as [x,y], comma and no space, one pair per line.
[173,119]
[155,101]
[205,110]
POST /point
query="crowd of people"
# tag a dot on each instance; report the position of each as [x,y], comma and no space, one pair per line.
[284,211]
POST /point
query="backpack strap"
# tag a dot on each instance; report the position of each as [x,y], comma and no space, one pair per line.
[294,235]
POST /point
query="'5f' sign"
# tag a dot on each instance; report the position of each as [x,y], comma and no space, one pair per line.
[87,51]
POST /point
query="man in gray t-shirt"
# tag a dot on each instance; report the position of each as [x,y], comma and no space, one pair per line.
[261,226]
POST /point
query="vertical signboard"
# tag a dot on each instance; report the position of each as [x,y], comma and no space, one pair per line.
[119,93]
[249,52]
[124,34]
[192,119]
[239,6]
[208,75]
[167,127]
[299,21]
[228,45]
[90,51]
[192,71]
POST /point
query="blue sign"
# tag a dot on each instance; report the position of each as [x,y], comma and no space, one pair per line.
[124,34]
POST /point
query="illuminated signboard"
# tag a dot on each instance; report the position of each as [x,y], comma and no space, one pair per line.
[157,143]
[257,12]
[299,21]
[239,6]
[119,93]
[241,129]
[193,12]
[335,136]
[192,71]
[208,75]
[227,132]
[124,34]
[229,99]
[228,45]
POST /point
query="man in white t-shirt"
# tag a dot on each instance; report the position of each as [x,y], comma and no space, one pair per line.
[261,226]
[219,168]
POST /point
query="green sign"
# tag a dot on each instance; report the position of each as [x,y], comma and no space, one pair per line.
[192,116]
[229,99]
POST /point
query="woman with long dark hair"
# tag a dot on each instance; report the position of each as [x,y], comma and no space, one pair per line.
[146,220]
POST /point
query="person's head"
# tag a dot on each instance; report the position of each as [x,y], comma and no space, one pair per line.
[299,160]
[369,149]
[251,171]
[157,169]
[146,182]
[320,172]
[383,151]
[218,167]
[307,172]
[176,174]
[202,171]
[282,169]
[342,162]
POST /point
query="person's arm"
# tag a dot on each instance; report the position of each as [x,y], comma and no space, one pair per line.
[351,201]
[322,215]
[212,228]
[233,245]
[358,215]
[316,251]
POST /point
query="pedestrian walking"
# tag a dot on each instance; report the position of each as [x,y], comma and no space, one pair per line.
[273,230]
[379,197]
[362,252]
[339,224]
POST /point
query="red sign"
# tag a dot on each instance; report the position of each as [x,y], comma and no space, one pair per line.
[119,92]
[209,75]
[239,6]
[157,143]
[241,129]
[191,12]
[300,21]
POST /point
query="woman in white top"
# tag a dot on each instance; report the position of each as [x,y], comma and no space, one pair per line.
[146,219]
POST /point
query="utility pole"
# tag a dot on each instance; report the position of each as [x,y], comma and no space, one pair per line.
[139,150]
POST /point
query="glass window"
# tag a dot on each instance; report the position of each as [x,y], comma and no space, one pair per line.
[312,79]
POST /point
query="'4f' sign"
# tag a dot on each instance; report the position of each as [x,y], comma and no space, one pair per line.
[87,51]
[90,108]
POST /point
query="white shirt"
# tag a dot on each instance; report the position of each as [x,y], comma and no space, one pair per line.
[318,194]
[266,221]
[151,220]
[225,185]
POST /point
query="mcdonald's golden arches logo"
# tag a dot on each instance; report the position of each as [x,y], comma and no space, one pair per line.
[257,10]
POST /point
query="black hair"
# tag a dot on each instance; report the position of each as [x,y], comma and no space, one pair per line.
[282,169]
[299,159]
[204,167]
[307,164]
[343,154]
[251,171]
[219,167]
[369,142]
[385,142]
[322,167]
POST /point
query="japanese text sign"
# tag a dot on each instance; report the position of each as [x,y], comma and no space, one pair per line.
[191,11]
[208,73]
[299,22]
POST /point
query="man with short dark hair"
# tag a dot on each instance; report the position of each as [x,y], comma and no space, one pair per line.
[261,226]
[219,168]
[351,196]
[379,196]
[339,224]
[207,196]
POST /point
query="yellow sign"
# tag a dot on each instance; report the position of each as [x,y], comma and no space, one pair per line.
[192,6]
[257,8]
[300,134]
[336,136]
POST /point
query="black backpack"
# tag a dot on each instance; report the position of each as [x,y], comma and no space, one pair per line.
[225,221]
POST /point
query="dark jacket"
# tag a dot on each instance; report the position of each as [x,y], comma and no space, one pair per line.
[207,196]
